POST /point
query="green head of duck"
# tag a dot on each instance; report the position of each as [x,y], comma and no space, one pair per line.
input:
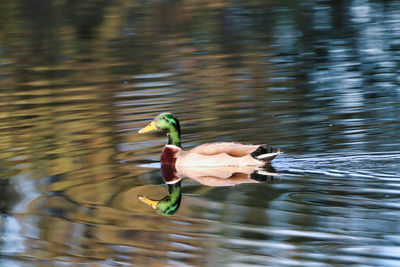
[167,123]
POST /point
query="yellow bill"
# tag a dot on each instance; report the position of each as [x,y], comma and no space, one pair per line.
[148,128]
[151,203]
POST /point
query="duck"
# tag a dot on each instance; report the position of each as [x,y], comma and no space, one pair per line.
[209,154]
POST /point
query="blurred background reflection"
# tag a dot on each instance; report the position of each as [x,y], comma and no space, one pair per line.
[319,79]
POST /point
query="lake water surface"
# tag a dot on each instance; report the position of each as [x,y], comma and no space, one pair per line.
[318,79]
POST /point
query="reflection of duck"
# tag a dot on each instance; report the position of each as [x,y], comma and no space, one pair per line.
[211,176]
[217,176]
[211,154]
[170,203]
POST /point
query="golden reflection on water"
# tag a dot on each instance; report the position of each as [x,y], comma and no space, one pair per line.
[79,78]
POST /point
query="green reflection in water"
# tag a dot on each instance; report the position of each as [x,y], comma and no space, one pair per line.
[169,204]
[211,176]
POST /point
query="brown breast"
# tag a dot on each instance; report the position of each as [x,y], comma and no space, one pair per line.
[168,155]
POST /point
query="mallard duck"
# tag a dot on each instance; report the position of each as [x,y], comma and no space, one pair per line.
[211,154]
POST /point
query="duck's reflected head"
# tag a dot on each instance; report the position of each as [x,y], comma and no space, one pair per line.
[148,201]
[168,205]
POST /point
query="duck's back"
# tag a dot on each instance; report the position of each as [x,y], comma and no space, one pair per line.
[219,154]
[231,148]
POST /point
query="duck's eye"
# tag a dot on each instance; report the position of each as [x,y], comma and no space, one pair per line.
[163,118]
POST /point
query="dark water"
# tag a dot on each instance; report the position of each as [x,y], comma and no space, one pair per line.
[318,79]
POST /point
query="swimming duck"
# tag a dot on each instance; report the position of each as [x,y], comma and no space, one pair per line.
[210,154]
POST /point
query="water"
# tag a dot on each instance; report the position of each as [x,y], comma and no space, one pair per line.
[318,79]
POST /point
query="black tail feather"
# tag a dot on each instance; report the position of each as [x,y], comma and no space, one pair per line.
[263,149]
[265,153]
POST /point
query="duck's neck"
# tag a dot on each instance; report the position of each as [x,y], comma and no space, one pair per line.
[174,136]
